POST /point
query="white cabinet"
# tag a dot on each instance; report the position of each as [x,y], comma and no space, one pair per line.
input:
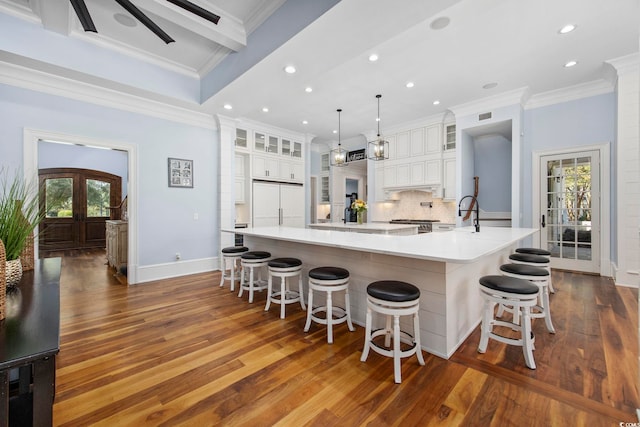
[325,193]
[265,167]
[417,173]
[291,170]
[116,233]
[379,184]
[433,175]
[433,139]
[291,148]
[402,145]
[449,137]
[240,179]
[417,142]
[241,138]
[449,178]
[390,176]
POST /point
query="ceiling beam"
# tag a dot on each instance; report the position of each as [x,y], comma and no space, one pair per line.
[55,15]
[229,32]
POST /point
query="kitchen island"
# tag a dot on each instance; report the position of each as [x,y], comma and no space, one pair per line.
[369,228]
[445,266]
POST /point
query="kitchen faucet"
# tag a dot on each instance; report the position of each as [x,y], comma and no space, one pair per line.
[476,223]
[346,210]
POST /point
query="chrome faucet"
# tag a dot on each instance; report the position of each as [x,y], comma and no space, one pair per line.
[476,223]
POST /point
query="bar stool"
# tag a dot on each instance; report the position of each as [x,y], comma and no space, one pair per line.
[517,293]
[538,276]
[231,255]
[539,252]
[393,299]
[252,260]
[283,268]
[329,280]
[534,261]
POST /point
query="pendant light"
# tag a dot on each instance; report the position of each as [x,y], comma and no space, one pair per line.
[338,156]
[378,149]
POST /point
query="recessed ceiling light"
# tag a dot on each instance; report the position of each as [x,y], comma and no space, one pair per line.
[373,57]
[377,119]
[265,110]
[439,23]
[570,64]
[409,84]
[228,107]
[567,29]
[304,122]
[436,102]
[289,69]
[125,20]
[308,89]
[490,85]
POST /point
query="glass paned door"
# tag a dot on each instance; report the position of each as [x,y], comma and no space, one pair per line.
[570,223]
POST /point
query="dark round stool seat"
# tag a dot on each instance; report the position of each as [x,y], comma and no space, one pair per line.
[285,262]
[525,270]
[533,251]
[510,285]
[529,258]
[255,255]
[393,290]
[234,249]
[328,273]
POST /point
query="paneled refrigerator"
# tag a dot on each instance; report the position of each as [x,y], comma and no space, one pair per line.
[278,204]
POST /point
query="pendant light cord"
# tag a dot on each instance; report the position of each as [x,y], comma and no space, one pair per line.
[378,96]
[339,111]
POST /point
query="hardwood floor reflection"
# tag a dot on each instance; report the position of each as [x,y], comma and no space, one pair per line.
[187,352]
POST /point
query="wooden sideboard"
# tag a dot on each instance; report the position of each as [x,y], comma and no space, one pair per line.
[117,242]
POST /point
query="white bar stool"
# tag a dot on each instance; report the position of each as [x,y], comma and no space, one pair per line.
[539,277]
[329,280]
[534,261]
[539,252]
[283,268]
[517,293]
[393,299]
[252,260]
[230,255]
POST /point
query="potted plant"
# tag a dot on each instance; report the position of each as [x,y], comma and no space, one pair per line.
[19,216]
[360,206]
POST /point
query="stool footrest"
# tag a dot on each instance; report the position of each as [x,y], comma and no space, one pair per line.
[405,337]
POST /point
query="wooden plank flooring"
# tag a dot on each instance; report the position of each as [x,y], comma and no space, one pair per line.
[186,352]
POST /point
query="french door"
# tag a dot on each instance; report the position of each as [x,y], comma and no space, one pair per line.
[570,210]
[77,203]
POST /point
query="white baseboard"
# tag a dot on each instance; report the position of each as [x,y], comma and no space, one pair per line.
[168,270]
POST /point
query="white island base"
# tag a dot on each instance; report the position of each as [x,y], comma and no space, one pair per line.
[444,266]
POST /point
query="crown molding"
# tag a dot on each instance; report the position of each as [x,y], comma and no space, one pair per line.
[254,125]
[512,97]
[571,93]
[19,71]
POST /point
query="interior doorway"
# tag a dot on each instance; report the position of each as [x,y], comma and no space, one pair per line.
[31,150]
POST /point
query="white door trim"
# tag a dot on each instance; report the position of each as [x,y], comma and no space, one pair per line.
[605,198]
[30,165]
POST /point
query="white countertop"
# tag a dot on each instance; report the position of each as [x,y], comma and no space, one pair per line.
[384,226]
[462,245]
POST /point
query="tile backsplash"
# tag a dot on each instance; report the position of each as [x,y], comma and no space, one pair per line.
[408,207]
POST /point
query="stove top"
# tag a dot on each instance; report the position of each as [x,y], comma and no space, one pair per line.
[413,221]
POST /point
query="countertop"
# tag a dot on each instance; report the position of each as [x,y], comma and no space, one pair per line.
[461,245]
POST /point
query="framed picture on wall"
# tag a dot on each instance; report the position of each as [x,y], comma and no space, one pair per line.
[180,173]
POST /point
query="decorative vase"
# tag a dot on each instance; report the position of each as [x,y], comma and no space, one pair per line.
[360,215]
[13,272]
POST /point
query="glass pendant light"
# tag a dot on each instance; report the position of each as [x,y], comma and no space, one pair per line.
[378,149]
[338,156]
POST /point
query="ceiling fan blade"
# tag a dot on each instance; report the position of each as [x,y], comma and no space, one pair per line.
[144,19]
[83,15]
[196,10]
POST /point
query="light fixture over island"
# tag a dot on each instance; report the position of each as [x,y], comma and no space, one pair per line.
[445,266]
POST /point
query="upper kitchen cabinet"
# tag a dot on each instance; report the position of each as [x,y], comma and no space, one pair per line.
[291,148]
[241,139]
[266,143]
[402,144]
[433,138]
[449,137]
[417,142]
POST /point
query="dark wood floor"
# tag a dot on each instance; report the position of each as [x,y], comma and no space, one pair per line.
[186,352]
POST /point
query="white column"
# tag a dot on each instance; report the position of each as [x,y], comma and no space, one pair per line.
[628,169]
[226,176]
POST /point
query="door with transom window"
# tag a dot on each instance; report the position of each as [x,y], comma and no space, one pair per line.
[570,210]
[77,203]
